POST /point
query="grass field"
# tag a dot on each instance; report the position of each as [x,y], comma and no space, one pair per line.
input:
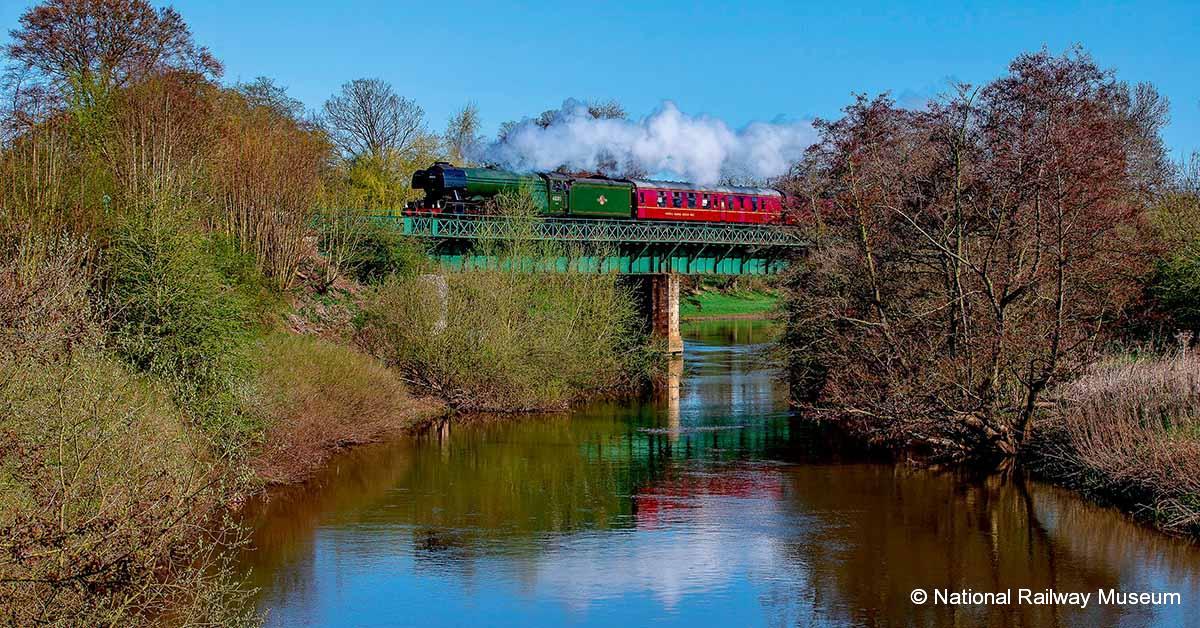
[716,304]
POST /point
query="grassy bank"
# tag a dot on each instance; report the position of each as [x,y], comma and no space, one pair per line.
[1128,433]
[317,398]
[718,304]
[132,419]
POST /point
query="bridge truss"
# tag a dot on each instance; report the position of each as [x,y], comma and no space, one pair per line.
[625,246]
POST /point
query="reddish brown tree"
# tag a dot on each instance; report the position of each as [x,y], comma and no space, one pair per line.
[973,253]
[104,43]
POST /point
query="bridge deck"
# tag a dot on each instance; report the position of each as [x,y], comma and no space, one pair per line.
[626,246]
[603,231]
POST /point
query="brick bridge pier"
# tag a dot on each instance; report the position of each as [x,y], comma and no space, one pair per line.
[657,297]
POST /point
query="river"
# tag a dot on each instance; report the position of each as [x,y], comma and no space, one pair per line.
[708,504]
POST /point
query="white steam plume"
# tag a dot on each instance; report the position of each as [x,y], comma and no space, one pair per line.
[701,149]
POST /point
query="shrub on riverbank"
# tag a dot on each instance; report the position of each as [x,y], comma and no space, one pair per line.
[507,340]
[105,501]
[518,334]
[172,314]
[1129,431]
[316,397]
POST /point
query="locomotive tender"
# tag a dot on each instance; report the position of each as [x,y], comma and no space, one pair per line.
[449,189]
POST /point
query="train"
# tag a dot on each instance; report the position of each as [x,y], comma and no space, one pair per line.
[454,190]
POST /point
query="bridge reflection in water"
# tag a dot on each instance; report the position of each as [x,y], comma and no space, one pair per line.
[709,506]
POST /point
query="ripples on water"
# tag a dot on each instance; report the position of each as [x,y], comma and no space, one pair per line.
[706,505]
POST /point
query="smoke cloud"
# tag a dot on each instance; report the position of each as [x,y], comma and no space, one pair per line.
[701,149]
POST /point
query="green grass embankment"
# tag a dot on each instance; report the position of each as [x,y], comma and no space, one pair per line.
[715,304]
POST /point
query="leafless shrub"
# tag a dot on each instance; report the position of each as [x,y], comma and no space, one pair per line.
[266,175]
[1132,428]
[162,129]
[45,310]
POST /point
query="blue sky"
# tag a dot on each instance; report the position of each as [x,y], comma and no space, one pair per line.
[740,61]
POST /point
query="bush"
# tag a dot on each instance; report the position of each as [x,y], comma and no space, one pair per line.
[266,172]
[238,270]
[106,498]
[316,397]
[506,339]
[1130,429]
[45,308]
[383,251]
[1175,286]
[173,315]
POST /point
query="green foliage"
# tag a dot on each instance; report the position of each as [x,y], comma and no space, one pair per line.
[1176,286]
[511,336]
[238,270]
[1175,283]
[102,488]
[378,182]
[382,251]
[175,315]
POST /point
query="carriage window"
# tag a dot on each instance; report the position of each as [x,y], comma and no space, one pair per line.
[691,199]
[754,203]
[677,199]
[662,199]
[704,200]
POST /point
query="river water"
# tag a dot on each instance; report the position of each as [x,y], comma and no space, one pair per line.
[706,505]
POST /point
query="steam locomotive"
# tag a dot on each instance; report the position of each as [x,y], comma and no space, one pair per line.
[449,189]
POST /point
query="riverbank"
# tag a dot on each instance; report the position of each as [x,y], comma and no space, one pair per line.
[319,399]
[709,304]
[1127,434]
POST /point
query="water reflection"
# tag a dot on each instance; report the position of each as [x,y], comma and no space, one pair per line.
[709,505]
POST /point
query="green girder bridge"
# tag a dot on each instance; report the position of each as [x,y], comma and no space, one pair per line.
[655,254]
[623,246]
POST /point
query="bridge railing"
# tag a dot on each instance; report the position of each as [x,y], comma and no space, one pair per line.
[598,231]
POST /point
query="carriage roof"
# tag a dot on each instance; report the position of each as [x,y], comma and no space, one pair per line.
[692,187]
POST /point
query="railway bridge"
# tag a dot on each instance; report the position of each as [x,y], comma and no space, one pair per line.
[654,253]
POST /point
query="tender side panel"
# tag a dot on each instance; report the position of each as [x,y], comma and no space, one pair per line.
[601,198]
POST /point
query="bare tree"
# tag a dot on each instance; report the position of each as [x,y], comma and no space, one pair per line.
[607,110]
[265,92]
[367,117]
[462,133]
[104,44]
[601,110]
[975,254]
[1146,112]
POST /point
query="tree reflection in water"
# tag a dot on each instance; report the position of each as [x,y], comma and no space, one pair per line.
[707,506]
